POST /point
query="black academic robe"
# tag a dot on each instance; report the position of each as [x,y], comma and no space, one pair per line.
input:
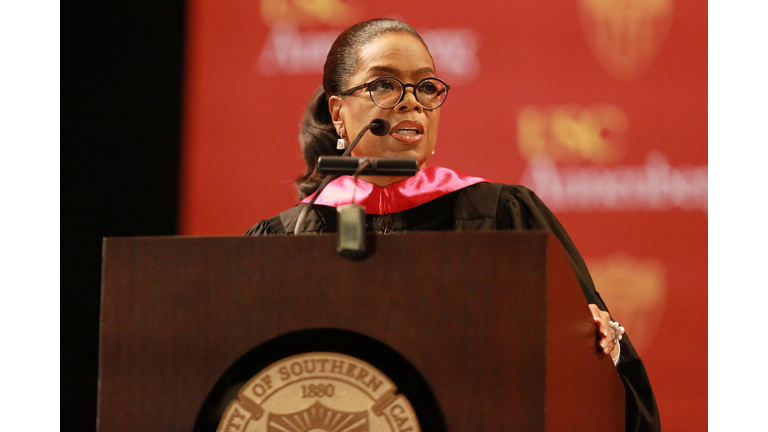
[490,206]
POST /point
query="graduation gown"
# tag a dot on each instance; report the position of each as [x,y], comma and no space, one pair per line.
[442,199]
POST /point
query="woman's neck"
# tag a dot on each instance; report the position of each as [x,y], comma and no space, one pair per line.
[382,181]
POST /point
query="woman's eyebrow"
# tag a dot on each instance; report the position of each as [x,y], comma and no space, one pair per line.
[392,70]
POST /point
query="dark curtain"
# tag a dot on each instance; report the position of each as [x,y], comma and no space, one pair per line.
[121,131]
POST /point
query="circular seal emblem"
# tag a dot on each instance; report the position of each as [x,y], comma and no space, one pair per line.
[317,392]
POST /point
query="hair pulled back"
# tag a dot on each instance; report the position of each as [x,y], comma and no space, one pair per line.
[317,135]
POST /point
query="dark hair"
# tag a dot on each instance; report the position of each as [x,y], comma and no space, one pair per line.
[318,135]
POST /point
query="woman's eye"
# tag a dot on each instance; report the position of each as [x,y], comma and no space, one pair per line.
[428,88]
[381,86]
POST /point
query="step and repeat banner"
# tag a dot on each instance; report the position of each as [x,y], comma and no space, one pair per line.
[599,106]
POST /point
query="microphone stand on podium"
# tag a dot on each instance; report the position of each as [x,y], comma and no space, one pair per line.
[351,237]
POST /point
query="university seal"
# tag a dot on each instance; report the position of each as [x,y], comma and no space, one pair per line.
[318,392]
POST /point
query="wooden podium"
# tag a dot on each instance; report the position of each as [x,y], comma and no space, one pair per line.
[494,321]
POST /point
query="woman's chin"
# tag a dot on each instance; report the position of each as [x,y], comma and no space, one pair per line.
[394,148]
[416,152]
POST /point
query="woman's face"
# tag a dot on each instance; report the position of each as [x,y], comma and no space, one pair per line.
[413,129]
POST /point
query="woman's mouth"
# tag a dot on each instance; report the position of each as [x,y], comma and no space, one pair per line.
[408,131]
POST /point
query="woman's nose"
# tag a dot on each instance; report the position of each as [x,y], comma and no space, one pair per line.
[409,101]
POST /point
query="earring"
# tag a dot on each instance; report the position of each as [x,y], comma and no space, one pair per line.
[341,143]
[433,152]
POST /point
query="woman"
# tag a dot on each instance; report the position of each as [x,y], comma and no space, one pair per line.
[382,68]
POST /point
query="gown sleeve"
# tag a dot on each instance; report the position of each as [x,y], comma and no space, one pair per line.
[520,209]
[271,226]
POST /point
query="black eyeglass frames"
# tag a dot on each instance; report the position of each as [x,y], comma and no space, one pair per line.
[387,91]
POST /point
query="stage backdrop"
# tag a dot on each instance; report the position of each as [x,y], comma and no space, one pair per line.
[599,106]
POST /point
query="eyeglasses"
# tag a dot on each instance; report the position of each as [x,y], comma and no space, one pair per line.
[387,92]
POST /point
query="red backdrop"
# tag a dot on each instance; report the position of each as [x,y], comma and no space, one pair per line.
[599,106]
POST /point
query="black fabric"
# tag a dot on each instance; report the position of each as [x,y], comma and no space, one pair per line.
[485,207]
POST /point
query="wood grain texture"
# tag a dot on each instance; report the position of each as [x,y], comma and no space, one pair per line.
[493,321]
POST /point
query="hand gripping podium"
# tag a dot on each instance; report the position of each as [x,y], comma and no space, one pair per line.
[495,322]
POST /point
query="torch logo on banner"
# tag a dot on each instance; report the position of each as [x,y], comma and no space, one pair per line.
[625,35]
[636,289]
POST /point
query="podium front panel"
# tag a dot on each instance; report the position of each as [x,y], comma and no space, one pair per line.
[470,311]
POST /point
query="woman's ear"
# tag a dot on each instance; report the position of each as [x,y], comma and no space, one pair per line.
[334,106]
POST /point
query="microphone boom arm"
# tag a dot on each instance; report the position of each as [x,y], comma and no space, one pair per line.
[378,127]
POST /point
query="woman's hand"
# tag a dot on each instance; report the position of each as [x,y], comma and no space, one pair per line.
[607,337]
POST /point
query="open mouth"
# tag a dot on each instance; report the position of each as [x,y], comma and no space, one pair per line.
[408,131]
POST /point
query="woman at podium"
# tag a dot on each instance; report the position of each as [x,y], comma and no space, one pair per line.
[383,69]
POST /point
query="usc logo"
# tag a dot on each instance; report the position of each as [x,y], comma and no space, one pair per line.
[625,35]
[308,12]
[573,134]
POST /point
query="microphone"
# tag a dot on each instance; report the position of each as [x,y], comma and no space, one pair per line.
[378,127]
[350,241]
